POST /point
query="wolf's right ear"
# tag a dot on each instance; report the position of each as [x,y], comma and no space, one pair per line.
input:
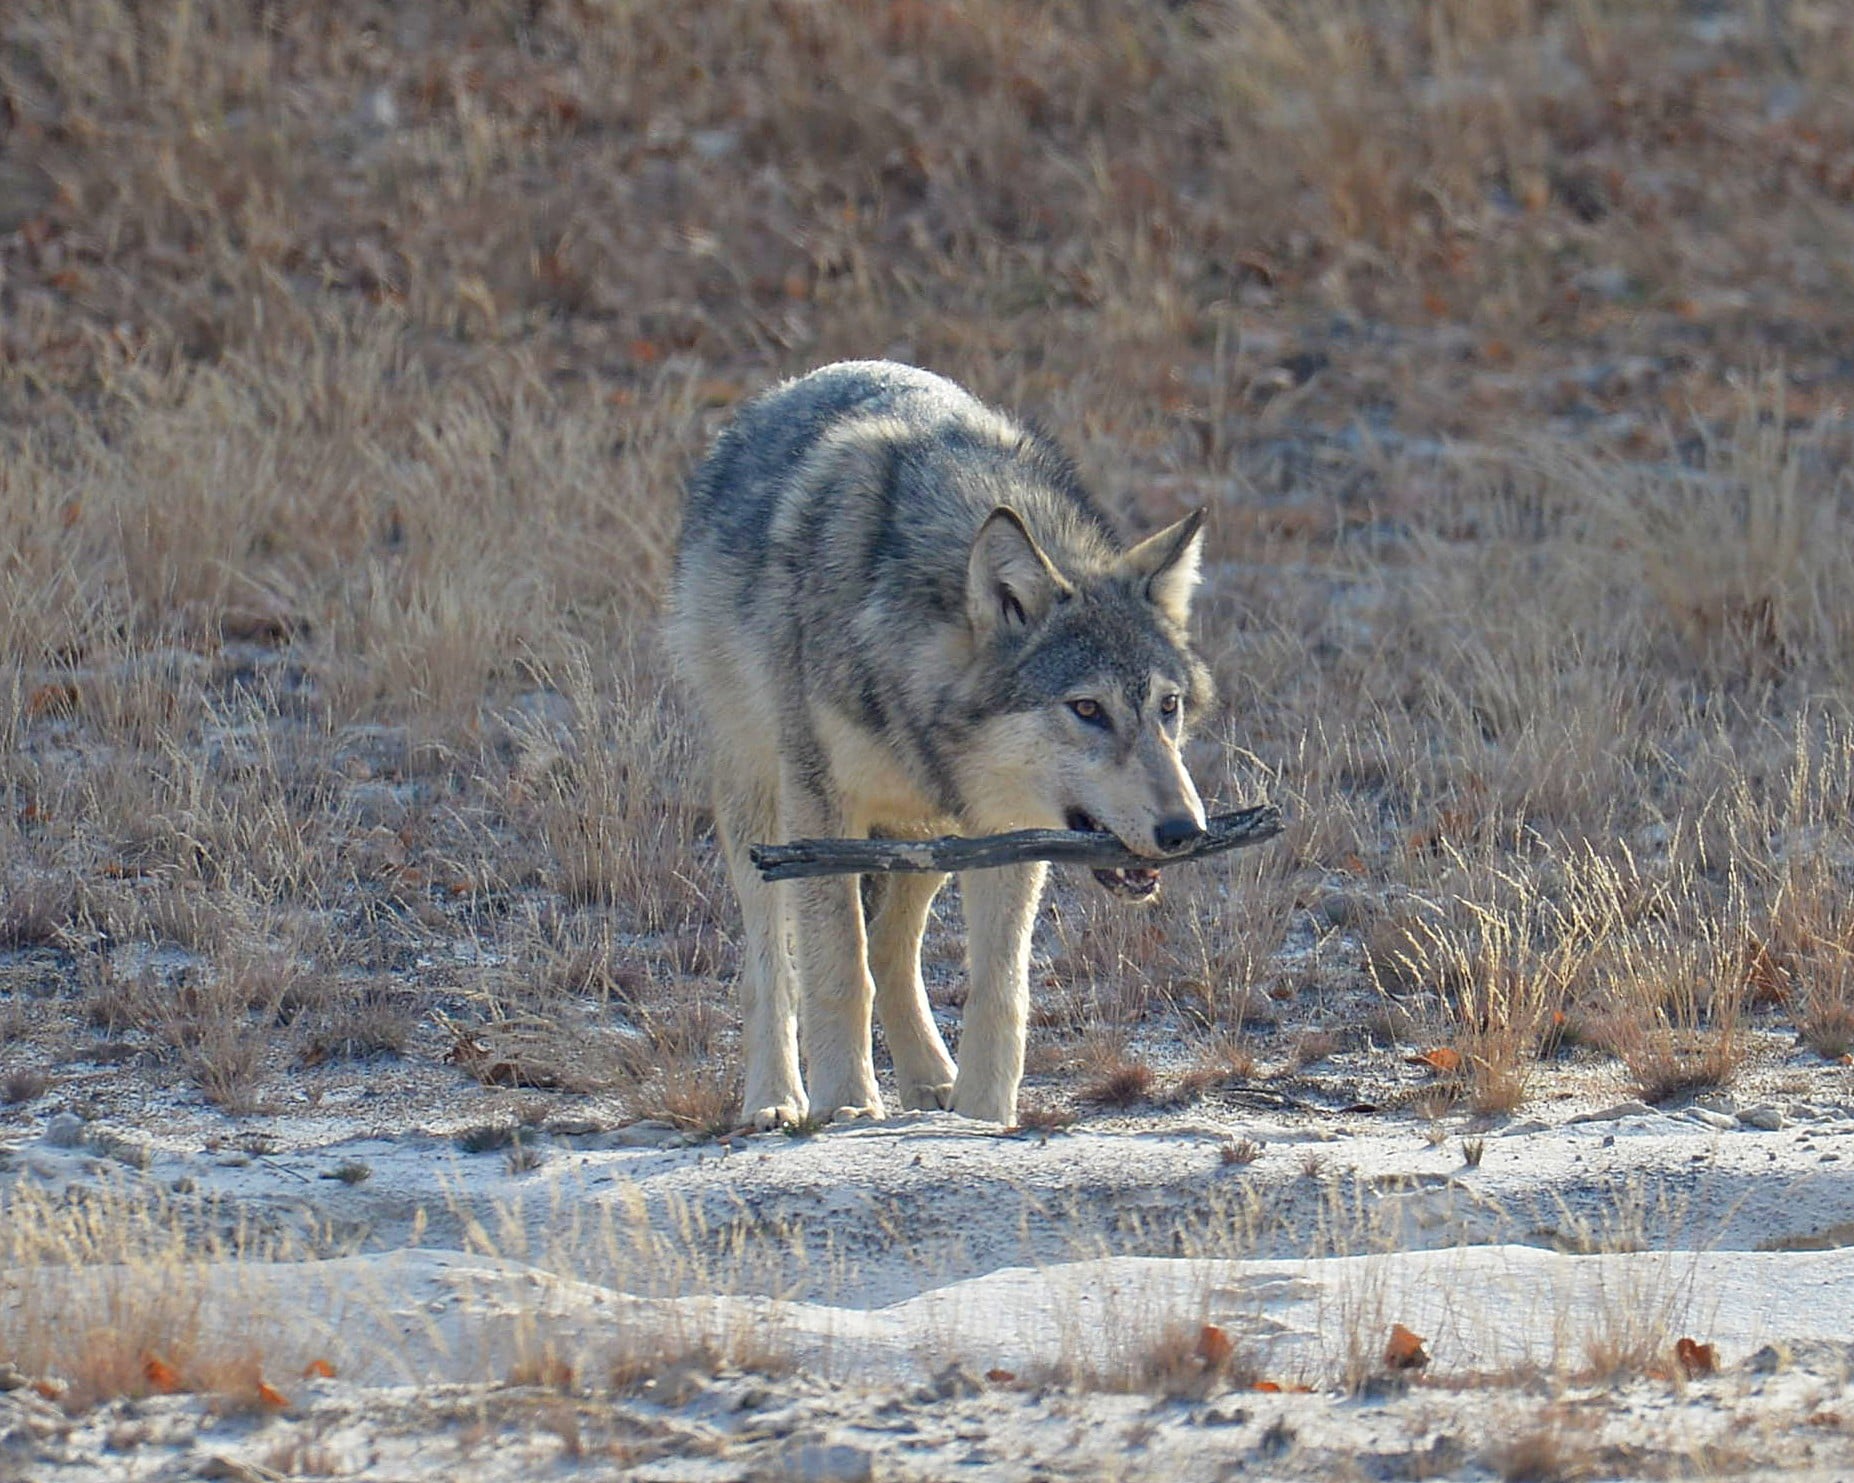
[1009,581]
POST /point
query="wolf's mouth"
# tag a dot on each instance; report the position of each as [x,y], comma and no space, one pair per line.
[1137,884]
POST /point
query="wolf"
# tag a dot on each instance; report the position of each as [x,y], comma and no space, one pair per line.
[900,613]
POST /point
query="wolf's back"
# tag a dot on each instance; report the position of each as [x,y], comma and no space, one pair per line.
[864,475]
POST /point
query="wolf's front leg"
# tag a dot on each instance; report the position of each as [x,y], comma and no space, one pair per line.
[836,994]
[835,998]
[1000,908]
[922,1066]
[775,1096]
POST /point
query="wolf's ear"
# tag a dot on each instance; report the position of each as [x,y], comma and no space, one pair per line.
[1170,562]
[1009,581]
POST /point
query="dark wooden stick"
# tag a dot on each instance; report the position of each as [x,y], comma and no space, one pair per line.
[808,857]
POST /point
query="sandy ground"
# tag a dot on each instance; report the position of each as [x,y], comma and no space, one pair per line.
[832,1306]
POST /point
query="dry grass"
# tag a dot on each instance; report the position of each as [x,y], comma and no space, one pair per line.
[140,1321]
[350,364]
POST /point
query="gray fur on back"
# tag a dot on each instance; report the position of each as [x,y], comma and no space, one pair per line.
[826,540]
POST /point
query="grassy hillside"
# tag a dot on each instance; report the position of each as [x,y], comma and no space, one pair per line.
[351,358]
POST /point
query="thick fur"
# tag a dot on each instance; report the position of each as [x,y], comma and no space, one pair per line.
[896,608]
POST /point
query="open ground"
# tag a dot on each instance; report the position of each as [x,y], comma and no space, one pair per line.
[364,952]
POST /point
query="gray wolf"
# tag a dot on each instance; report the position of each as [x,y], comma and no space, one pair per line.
[901,614]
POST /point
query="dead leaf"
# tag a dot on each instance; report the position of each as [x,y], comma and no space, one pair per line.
[159,1374]
[1267,1387]
[1001,1377]
[1405,1350]
[1443,1060]
[269,1395]
[1214,1346]
[56,699]
[1696,1359]
[318,1369]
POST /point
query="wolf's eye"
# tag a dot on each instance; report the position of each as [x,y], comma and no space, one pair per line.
[1089,711]
[1169,706]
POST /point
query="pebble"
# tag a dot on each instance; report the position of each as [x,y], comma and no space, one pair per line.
[64,1130]
[1767,1361]
[650,1133]
[1706,1117]
[1612,1114]
[11,1378]
[1340,909]
[1765,1117]
[956,1382]
[820,1460]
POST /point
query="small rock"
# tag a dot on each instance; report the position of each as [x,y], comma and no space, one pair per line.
[1613,1114]
[1707,1118]
[1520,1130]
[1767,1361]
[677,1385]
[1718,1102]
[956,1382]
[820,1460]
[11,1378]
[1279,1438]
[1765,1117]
[1339,909]
[377,806]
[377,112]
[714,144]
[64,1130]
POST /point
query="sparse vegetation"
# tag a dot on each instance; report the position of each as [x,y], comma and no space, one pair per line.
[351,359]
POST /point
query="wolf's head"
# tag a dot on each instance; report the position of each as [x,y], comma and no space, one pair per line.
[1086,685]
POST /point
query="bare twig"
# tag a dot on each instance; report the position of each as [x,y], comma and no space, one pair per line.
[809,857]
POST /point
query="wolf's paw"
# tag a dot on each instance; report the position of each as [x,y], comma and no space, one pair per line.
[869,1111]
[779,1115]
[986,1104]
[934,1097]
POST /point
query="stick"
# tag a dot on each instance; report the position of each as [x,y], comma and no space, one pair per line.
[808,857]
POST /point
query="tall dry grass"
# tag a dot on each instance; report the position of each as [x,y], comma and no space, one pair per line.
[352,360]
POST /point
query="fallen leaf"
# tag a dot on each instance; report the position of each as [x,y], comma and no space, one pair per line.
[1214,1347]
[1267,1387]
[1443,1060]
[271,1396]
[160,1374]
[1696,1359]
[318,1369]
[1001,1377]
[58,699]
[1405,1350]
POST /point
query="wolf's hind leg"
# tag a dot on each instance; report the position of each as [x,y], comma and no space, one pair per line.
[1000,914]
[922,1067]
[747,813]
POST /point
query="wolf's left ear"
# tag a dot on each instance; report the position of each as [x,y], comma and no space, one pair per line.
[1009,581]
[1170,562]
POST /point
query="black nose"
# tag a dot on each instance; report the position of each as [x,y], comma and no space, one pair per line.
[1175,834]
